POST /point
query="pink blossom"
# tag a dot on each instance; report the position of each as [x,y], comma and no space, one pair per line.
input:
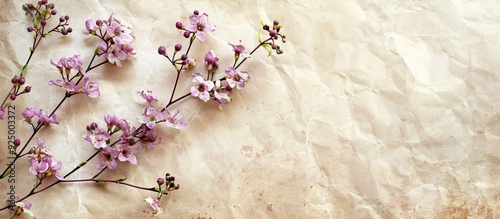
[237,79]
[25,207]
[98,138]
[173,122]
[90,88]
[221,95]
[91,27]
[69,63]
[149,96]
[201,88]
[154,205]
[199,25]
[44,167]
[120,34]
[211,60]
[107,158]
[150,138]
[30,112]
[117,53]
[151,115]
[239,49]
[67,85]
[127,153]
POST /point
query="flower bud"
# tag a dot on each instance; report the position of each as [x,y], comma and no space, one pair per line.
[17,142]
[27,89]
[178,25]
[162,50]
[13,96]
[43,22]
[30,29]
[98,22]
[178,47]
[44,2]
[151,138]
[66,17]
[53,12]
[160,181]
[187,34]
[70,29]
[184,57]
[51,5]
[196,12]
[61,19]
[21,80]
[93,126]
[272,33]
[276,23]
[265,27]
[14,79]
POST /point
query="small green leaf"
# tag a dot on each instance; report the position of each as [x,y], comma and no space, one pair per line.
[259,36]
[47,34]
[96,51]
[7,173]
[23,72]
[268,48]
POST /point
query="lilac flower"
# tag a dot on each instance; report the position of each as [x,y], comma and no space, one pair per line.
[24,207]
[91,27]
[30,112]
[90,88]
[120,34]
[173,122]
[69,63]
[44,167]
[98,138]
[211,60]
[111,120]
[237,79]
[151,115]
[127,153]
[221,95]
[199,25]
[150,138]
[201,88]
[149,96]
[115,43]
[154,205]
[239,49]
[67,85]
[107,158]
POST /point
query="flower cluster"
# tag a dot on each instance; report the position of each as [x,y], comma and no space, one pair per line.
[44,119]
[115,39]
[41,161]
[198,25]
[125,147]
[206,89]
[165,185]
[65,65]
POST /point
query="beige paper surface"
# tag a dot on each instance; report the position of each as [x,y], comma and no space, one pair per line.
[376,109]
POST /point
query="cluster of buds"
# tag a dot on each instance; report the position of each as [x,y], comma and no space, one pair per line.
[115,39]
[41,13]
[18,82]
[275,34]
[165,185]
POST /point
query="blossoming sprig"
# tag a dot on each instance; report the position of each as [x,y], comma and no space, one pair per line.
[165,185]
[65,65]
[40,15]
[115,39]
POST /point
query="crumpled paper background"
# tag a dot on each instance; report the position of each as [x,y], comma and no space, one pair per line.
[377,109]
